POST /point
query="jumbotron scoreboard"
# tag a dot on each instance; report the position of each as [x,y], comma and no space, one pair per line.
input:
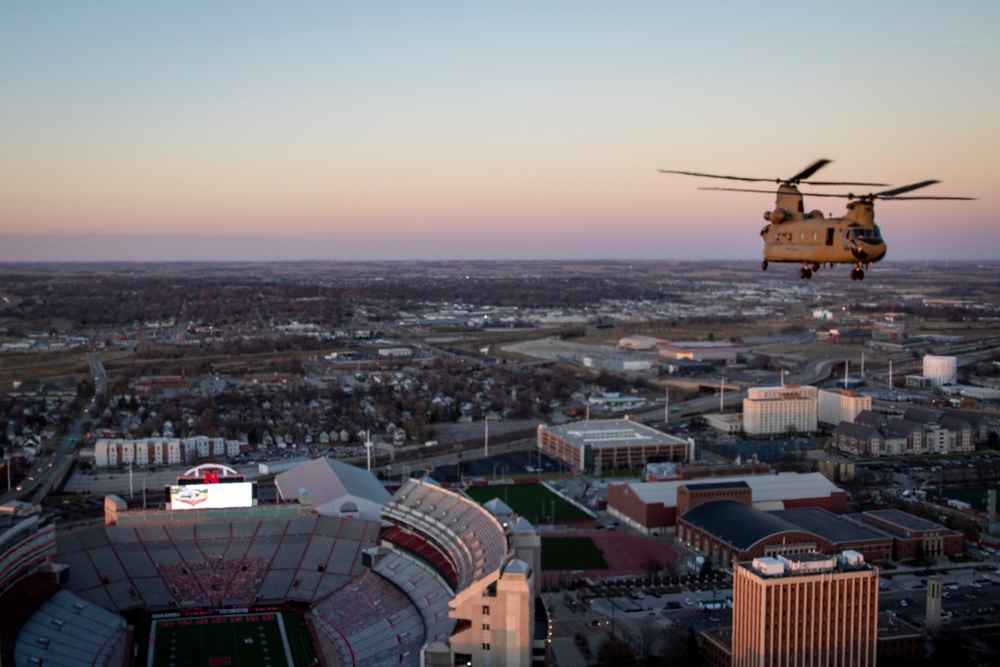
[210,486]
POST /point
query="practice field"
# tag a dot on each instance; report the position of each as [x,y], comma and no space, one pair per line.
[976,497]
[532,501]
[269,639]
[571,553]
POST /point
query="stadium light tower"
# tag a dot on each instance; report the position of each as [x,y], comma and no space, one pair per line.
[368,448]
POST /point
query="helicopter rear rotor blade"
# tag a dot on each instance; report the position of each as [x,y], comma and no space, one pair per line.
[809,171]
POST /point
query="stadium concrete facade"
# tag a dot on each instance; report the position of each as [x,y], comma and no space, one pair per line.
[433,579]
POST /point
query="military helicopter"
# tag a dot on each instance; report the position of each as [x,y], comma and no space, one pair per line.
[792,235]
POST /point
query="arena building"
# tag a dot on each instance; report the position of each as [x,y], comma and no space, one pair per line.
[434,579]
[653,507]
[702,351]
[730,531]
[611,443]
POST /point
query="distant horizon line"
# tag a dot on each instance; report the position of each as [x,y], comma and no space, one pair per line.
[359,246]
[589,260]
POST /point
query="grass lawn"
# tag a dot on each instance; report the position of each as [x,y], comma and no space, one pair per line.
[571,553]
[532,501]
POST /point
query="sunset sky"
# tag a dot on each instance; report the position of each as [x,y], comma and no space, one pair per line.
[462,130]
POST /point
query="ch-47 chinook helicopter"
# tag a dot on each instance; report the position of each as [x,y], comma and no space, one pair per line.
[809,239]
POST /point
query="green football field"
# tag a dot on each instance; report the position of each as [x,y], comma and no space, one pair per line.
[269,639]
[532,501]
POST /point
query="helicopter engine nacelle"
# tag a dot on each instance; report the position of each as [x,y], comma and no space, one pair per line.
[777,216]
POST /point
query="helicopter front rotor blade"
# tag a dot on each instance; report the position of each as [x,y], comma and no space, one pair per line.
[905,188]
[809,171]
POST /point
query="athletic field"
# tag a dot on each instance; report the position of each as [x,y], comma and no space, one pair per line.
[532,501]
[975,497]
[269,639]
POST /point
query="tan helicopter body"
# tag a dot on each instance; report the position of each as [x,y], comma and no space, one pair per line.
[809,239]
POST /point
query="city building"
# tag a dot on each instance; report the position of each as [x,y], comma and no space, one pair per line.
[805,609]
[914,537]
[611,443]
[724,422]
[789,408]
[110,452]
[652,507]
[916,433]
[840,405]
[639,342]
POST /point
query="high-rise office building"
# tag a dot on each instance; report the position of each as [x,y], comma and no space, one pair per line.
[789,408]
[804,610]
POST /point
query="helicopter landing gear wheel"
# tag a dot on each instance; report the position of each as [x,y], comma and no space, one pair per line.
[816,266]
[805,272]
[763,265]
[857,273]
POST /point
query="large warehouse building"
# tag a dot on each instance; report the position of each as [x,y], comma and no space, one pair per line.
[702,350]
[655,507]
[611,443]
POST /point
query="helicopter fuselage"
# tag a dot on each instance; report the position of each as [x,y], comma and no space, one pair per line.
[810,238]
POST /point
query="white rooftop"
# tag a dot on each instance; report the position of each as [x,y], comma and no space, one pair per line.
[765,488]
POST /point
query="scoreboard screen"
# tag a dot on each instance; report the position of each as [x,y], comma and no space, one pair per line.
[211,496]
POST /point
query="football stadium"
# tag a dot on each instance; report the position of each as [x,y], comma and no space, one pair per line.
[213,578]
